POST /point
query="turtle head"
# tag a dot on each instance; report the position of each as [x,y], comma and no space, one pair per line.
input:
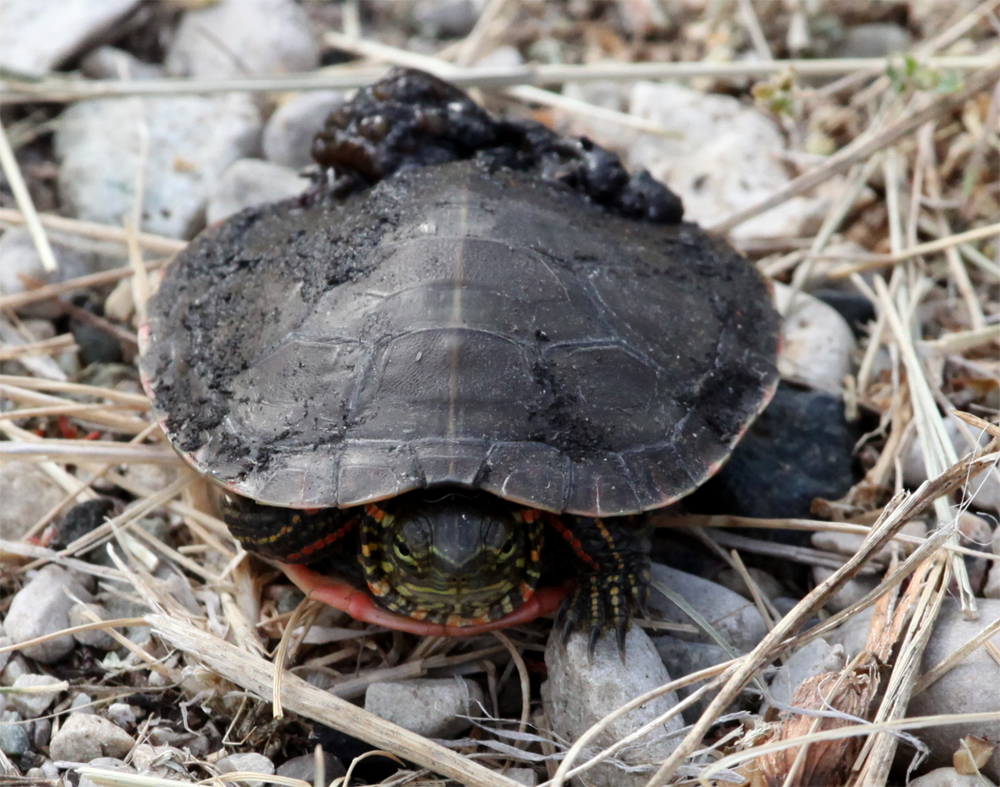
[450,556]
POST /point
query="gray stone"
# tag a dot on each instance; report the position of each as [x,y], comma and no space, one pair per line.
[729,158]
[122,714]
[110,764]
[949,777]
[249,182]
[35,37]
[81,704]
[95,638]
[681,658]
[42,607]
[853,590]
[240,38]
[289,133]
[580,691]
[28,494]
[983,490]
[14,740]
[5,642]
[732,616]
[813,658]
[971,687]
[731,579]
[817,342]
[32,704]
[525,776]
[873,39]
[249,762]
[304,768]
[16,666]
[192,139]
[108,62]
[446,18]
[427,706]
[84,737]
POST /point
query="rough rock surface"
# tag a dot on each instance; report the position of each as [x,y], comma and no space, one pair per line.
[191,141]
[732,616]
[35,37]
[727,160]
[41,607]
[817,341]
[84,737]
[580,691]
[240,38]
[427,706]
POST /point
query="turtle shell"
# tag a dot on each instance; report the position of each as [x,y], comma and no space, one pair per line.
[456,325]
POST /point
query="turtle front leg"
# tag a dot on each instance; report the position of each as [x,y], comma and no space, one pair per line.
[613,576]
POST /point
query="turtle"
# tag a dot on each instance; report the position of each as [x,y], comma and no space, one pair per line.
[442,387]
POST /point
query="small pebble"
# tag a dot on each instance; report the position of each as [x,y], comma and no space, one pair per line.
[35,37]
[32,704]
[853,306]
[525,776]
[41,733]
[873,39]
[288,135]
[192,139]
[817,342]
[728,159]
[427,706]
[108,62]
[446,18]
[83,737]
[249,182]
[304,768]
[242,38]
[14,739]
[42,607]
[949,777]
[17,665]
[122,714]
[582,690]
[28,493]
[249,762]
[81,704]
[731,615]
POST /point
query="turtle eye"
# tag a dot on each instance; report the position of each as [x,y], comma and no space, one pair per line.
[508,547]
[404,552]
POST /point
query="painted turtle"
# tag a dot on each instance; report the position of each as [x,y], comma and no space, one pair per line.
[466,360]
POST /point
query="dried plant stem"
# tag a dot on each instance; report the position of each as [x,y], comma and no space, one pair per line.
[253,673]
[95,231]
[859,150]
[8,162]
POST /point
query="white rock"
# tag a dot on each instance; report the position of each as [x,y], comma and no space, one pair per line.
[14,739]
[681,658]
[35,36]
[21,265]
[873,39]
[240,38]
[731,615]
[250,762]
[817,341]
[973,686]
[41,607]
[32,704]
[95,638]
[580,691]
[84,737]
[949,777]
[249,182]
[289,133]
[28,494]
[525,776]
[426,706]
[727,160]
[191,142]
[108,62]
[812,659]
[982,490]
[446,18]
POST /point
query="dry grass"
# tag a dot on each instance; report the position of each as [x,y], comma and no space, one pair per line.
[931,269]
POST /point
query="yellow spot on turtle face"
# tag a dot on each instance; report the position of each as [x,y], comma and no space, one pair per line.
[419,614]
[387,567]
[366,550]
[379,588]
